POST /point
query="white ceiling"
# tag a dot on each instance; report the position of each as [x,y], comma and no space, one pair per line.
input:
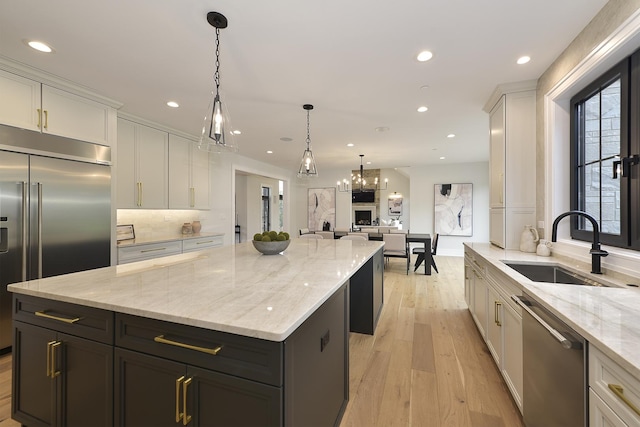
[354,60]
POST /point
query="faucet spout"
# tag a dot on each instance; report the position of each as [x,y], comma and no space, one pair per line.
[596,252]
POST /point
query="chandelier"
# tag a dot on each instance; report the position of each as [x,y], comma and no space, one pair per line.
[359,183]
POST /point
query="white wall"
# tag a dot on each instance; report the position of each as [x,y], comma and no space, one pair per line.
[421,195]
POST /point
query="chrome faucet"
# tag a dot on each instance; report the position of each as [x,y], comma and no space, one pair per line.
[596,252]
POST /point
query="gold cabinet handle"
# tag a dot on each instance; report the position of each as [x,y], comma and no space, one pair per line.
[497,305]
[162,340]
[186,418]
[193,196]
[46,119]
[179,414]
[39,117]
[60,319]
[49,344]
[619,391]
[141,199]
[55,345]
[152,250]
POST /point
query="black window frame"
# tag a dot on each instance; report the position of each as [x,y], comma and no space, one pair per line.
[628,70]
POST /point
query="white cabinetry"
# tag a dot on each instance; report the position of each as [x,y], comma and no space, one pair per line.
[497,317]
[31,105]
[512,166]
[614,394]
[142,166]
[189,182]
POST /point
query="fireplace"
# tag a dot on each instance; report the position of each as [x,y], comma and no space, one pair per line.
[363,217]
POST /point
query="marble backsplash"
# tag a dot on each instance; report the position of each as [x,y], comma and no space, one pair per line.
[154,223]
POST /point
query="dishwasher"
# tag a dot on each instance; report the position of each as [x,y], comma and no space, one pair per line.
[554,369]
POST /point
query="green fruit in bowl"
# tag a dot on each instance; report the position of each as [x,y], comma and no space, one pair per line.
[281,238]
[271,236]
[266,238]
[257,236]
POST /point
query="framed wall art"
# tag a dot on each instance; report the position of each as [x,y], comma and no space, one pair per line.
[322,208]
[453,205]
[395,206]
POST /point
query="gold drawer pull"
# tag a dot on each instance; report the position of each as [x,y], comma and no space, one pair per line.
[60,319]
[179,414]
[162,340]
[204,243]
[152,250]
[186,419]
[619,391]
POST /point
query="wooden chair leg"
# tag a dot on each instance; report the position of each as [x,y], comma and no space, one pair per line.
[418,261]
[433,264]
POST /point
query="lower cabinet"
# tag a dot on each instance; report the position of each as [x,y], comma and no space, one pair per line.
[61,379]
[366,296]
[158,392]
[498,319]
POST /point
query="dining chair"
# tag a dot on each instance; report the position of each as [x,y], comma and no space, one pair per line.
[353,237]
[365,235]
[311,236]
[420,252]
[304,231]
[326,234]
[396,231]
[396,246]
[368,230]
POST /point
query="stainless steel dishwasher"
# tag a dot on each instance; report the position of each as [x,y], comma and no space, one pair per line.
[554,374]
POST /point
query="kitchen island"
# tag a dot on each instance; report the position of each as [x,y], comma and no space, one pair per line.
[224,336]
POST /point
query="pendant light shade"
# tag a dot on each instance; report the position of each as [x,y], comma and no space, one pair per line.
[308,163]
[215,135]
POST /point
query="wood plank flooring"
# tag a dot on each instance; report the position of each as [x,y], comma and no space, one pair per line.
[426,365]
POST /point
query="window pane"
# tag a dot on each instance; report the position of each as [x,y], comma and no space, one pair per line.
[610,222]
[610,121]
[592,129]
[591,195]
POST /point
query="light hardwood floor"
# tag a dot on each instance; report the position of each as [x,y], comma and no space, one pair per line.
[426,365]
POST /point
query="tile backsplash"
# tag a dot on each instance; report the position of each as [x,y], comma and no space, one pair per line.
[154,223]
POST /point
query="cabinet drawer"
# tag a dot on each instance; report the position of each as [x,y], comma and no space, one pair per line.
[605,374]
[199,243]
[148,251]
[81,321]
[245,357]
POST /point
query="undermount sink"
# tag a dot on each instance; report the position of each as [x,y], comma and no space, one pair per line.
[550,273]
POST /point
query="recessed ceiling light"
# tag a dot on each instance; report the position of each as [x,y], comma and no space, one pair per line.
[422,109]
[451,135]
[286,139]
[42,47]
[269,152]
[425,55]
[368,163]
[442,158]
[382,129]
[237,132]
[523,60]
[349,145]
[424,87]
[173,104]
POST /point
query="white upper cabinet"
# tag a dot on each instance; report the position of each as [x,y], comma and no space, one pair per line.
[497,150]
[189,181]
[142,169]
[20,101]
[31,105]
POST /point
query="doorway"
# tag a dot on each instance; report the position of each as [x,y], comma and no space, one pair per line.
[266,209]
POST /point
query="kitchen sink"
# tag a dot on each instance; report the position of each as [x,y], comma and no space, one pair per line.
[550,273]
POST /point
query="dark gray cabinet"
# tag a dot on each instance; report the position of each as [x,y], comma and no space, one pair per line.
[366,295]
[59,378]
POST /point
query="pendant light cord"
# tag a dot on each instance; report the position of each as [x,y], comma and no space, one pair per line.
[308,132]
[217,74]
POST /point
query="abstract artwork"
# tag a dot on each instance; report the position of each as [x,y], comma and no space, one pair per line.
[453,204]
[322,208]
[395,206]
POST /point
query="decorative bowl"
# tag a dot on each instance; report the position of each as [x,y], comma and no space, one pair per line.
[271,248]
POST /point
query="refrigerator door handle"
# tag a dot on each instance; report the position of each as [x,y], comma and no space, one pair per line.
[25,229]
[39,230]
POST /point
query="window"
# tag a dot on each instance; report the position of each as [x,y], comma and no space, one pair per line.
[605,130]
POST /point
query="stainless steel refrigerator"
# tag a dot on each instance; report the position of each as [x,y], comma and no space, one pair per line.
[55,210]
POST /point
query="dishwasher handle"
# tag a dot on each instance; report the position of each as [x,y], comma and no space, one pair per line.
[566,343]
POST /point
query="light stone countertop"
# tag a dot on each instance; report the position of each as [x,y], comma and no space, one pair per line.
[232,288]
[165,238]
[607,317]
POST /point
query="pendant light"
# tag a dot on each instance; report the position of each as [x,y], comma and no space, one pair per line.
[215,130]
[308,164]
[360,181]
